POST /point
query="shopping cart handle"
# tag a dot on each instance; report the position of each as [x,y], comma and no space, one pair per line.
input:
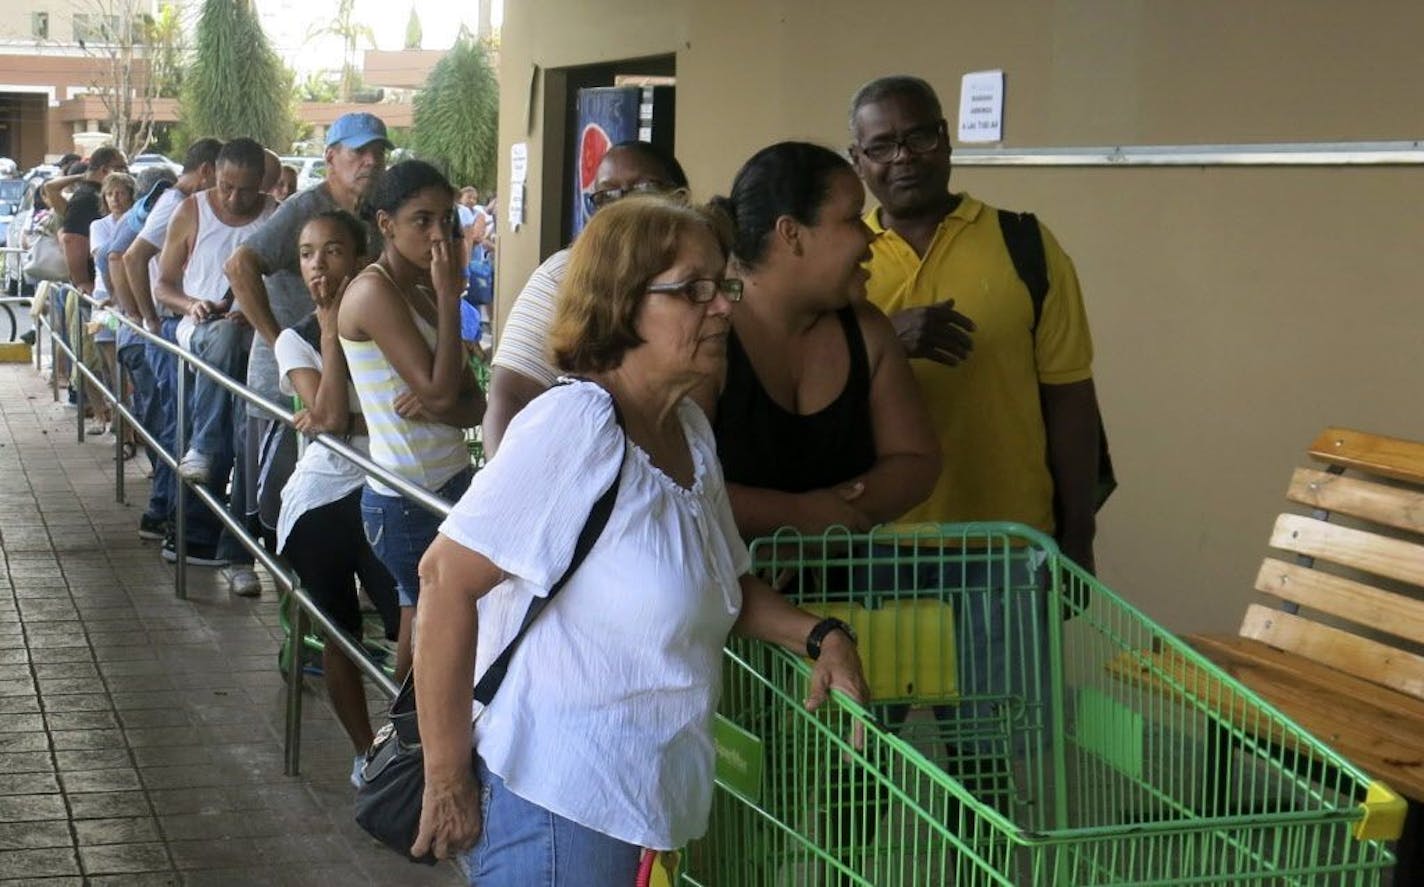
[1384,814]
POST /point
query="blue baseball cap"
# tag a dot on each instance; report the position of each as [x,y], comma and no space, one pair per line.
[357,130]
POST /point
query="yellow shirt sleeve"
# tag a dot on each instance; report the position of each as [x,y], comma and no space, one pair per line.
[1063,344]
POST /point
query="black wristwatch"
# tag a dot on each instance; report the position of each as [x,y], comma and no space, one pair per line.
[823,628]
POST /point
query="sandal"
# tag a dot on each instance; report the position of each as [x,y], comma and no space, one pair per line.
[130,449]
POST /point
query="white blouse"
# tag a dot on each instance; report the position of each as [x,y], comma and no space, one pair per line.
[320,476]
[605,716]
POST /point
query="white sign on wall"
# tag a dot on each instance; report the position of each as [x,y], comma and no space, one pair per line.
[518,163]
[981,106]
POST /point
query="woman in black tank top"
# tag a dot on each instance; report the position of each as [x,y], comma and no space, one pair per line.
[819,421]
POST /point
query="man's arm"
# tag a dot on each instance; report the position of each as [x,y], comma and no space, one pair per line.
[510,392]
[174,259]
[1070,418]
[53,192]
[244,274]
[76,257]
[135,262]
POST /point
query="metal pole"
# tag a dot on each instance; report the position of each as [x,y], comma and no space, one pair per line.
[180,523]
[53,350]
[120,432]
[77,383]
[293,737]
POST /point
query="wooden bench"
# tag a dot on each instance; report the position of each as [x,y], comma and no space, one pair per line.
[1341,655]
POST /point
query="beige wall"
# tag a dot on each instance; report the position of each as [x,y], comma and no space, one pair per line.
[1236,311]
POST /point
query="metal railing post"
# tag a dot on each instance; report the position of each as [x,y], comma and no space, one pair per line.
[292,745]
[180,521]
[116,378]
[53,349]
[76,383]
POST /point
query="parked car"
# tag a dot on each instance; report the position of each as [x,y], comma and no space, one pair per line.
[143,161]
[310,170]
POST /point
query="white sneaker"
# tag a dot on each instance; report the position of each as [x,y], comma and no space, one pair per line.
[241,580]
[195,467]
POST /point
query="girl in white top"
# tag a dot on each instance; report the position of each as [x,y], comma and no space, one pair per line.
[400,332]
[319,527]
[598,744]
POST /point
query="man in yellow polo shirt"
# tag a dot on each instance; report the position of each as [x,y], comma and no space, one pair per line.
[1011,395]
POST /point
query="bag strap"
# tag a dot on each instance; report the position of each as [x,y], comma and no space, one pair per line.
[403,706]
[1024,240]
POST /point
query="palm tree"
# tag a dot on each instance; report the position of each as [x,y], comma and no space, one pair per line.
[351,32]
[457,114]
[414,34]
[236,86]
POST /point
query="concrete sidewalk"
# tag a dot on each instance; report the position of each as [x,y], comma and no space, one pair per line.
[140,735]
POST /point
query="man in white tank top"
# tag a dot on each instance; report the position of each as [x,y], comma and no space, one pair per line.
[205,231]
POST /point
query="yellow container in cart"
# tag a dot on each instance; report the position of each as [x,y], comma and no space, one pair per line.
[1029,727]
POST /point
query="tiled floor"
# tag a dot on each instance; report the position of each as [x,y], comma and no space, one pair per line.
[140,735]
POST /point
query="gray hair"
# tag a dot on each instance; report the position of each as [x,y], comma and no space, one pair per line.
[152,175]
[902,85]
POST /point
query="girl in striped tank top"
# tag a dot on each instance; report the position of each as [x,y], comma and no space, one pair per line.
[400,331]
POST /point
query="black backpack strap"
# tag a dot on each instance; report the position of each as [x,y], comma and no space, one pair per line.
[1024,240]
[597,519]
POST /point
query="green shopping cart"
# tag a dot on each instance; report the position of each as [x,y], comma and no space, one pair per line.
[1009,746]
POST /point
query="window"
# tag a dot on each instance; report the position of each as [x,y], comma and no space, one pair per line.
[94,28]
[39,25]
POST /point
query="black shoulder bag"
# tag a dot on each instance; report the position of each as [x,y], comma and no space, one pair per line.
[393,777]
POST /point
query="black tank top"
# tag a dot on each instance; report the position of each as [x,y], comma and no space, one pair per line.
[763,445]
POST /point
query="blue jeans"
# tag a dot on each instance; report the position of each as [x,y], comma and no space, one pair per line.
[148,409]
[202,527]
[223,345]
[399,531]
[525,845]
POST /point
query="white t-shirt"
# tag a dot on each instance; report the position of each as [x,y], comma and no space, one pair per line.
[101,231]
[524,340]
[155,231]
[605,716]
[321,476]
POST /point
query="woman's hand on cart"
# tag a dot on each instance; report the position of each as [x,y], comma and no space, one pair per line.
[838,668]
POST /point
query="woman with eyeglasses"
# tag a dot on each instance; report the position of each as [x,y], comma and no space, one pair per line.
[521,369]
[597,746]
[819,422]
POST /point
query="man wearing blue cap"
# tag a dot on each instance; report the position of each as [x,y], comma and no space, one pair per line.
[266,279]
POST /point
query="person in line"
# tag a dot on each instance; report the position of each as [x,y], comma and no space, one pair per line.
[81,209]
[818,419]
[286,184]
[204,231]
[118,198]
[319,528]
[400,332]
[140,264]
[267,280]
[1014,408]
[132,350]
[520,370]
[598,745]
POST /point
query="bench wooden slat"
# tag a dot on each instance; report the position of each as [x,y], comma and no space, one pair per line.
[1372,453]
[1391,506]
[1361,604]
[1351,654]
[1377,729]
[1357,549]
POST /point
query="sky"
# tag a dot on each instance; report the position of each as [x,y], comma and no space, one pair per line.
[288,22]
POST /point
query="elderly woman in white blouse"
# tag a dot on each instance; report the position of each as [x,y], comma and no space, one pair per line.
[598,744]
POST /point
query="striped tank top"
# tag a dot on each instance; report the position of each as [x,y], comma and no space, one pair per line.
[425,453]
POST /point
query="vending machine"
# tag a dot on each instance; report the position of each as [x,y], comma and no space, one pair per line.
[608,115]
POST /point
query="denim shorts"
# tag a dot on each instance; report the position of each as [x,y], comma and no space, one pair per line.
[399,531]
[525,845]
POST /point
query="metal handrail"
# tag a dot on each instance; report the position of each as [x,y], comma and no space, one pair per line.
[302,604]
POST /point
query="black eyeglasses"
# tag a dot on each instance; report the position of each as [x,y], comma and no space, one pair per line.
[592,202]
[918,141]
[702,290]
